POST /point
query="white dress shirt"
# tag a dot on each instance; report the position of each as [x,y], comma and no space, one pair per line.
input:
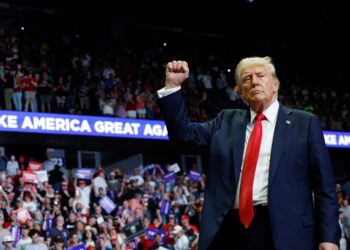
[261,178]
[164,92]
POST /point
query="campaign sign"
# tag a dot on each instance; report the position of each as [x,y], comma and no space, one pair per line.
[77,247]
[151,233]
[149,169]
[23,215]
[84,174]
[194,175]
[169,177]
[29,177]
[42,176]
[35,166]
[165,207]
[107,204]
[174,168]
[133,229]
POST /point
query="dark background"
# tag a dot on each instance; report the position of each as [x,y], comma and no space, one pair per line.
[307,38]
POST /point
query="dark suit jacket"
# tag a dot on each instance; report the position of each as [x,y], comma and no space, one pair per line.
[301,196]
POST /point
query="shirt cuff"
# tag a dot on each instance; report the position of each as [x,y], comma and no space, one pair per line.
[164,92]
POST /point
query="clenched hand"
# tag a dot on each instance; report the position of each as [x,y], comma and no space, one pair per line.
[176,73]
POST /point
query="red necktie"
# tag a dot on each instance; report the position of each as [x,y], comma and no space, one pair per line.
[246,212]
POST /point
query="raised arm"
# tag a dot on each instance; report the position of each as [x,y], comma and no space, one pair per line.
[173,107]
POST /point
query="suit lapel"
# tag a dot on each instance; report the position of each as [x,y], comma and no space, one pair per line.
[280,139]
[239,130]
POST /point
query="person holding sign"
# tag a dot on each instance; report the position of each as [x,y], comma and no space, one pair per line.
[270,183]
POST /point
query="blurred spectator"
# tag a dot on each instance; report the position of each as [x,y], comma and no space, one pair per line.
[56,177]
[108,107]
[60,91]
[49,164]
[8,87]
[343,239]
[99,181]
[30,88]
[3,164]
[45,88]
[181,240]
[25,239]
[74,240]
[12,166]
[37,243]
[58,229]
[89,238]
[71,222]
[3,232]
[157,243]
[58,243]
[190,231]
[8,243]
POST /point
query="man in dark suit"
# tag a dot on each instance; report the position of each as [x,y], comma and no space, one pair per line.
[270,182]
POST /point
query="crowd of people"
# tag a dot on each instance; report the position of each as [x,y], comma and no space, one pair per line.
[67,211]
[64,76]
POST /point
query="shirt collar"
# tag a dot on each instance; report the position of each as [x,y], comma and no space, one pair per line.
[270,113]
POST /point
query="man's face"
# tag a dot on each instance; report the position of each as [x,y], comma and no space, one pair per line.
[171,221]
[59,245]
[258,87]
[92,221]
[25,232]
[60,222]
[185,223]
[35,238]
[158,239]
[72,217]
[98,210]
[8,245]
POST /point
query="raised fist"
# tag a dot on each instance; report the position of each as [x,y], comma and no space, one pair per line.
[176,73]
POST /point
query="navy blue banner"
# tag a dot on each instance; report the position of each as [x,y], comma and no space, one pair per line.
[151,233]
[169,177]
[45,123]
[13,121]
[165,207]
[337,139]
[78,247]
[194,175]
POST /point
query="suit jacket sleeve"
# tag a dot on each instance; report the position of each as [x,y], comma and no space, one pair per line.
[326,207]
[179,128]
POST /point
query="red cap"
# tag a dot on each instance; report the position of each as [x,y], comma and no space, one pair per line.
[185,217]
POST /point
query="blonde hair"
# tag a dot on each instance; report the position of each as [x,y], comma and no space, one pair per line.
[250,61]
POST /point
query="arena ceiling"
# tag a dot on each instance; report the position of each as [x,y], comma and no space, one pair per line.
[254,18]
